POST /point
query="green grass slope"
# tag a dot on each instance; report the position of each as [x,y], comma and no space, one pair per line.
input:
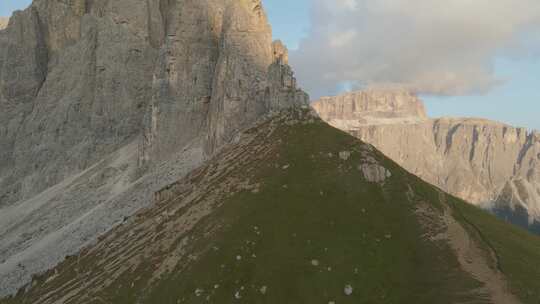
[281,218]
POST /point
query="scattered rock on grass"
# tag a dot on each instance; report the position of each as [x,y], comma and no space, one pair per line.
[374,173]
[345,155]
[237,295]
[348,290]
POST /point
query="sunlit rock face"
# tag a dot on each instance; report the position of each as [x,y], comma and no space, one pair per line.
[214,77]
[356,109]
[3,22]
[97,96]
[484,162]
[376,104]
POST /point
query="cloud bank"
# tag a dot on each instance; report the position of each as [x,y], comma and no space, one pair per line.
[431,47]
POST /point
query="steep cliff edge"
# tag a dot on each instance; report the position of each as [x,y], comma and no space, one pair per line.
[484,162]
[102,103]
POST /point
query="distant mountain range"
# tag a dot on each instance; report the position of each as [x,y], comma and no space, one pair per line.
[487,163]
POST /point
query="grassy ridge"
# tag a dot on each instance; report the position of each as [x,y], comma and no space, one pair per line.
[319,210]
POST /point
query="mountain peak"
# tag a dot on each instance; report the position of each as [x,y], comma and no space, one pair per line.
[484,162]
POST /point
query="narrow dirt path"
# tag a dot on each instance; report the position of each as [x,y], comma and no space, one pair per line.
[475,260]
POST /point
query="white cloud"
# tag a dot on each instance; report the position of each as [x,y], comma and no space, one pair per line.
[437,47]
[342,39]
[348,4]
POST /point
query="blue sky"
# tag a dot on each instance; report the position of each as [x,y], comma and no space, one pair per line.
[8,6]
[289,19]
[516,101]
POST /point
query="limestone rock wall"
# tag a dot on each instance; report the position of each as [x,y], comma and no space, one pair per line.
[74,82]
[484,162]
[215,80]
[80,79]
[374,104]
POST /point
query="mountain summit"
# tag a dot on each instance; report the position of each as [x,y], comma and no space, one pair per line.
[484,162]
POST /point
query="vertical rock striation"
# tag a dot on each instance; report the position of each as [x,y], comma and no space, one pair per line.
[80,78]
[75,79]
[484,162]
[215,80]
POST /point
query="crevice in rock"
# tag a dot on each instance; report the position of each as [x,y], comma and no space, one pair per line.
[42,52]
[164,10]
[87,6]
[474,144]
[529,142]
[450,137]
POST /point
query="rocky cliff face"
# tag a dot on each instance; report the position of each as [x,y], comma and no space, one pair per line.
[79,79]
[371,104]
[102,102]
[484,162]
[216,73]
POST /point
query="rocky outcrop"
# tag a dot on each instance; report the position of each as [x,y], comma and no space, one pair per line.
[484,162]
[374,173]
[104,102]
[3,22]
